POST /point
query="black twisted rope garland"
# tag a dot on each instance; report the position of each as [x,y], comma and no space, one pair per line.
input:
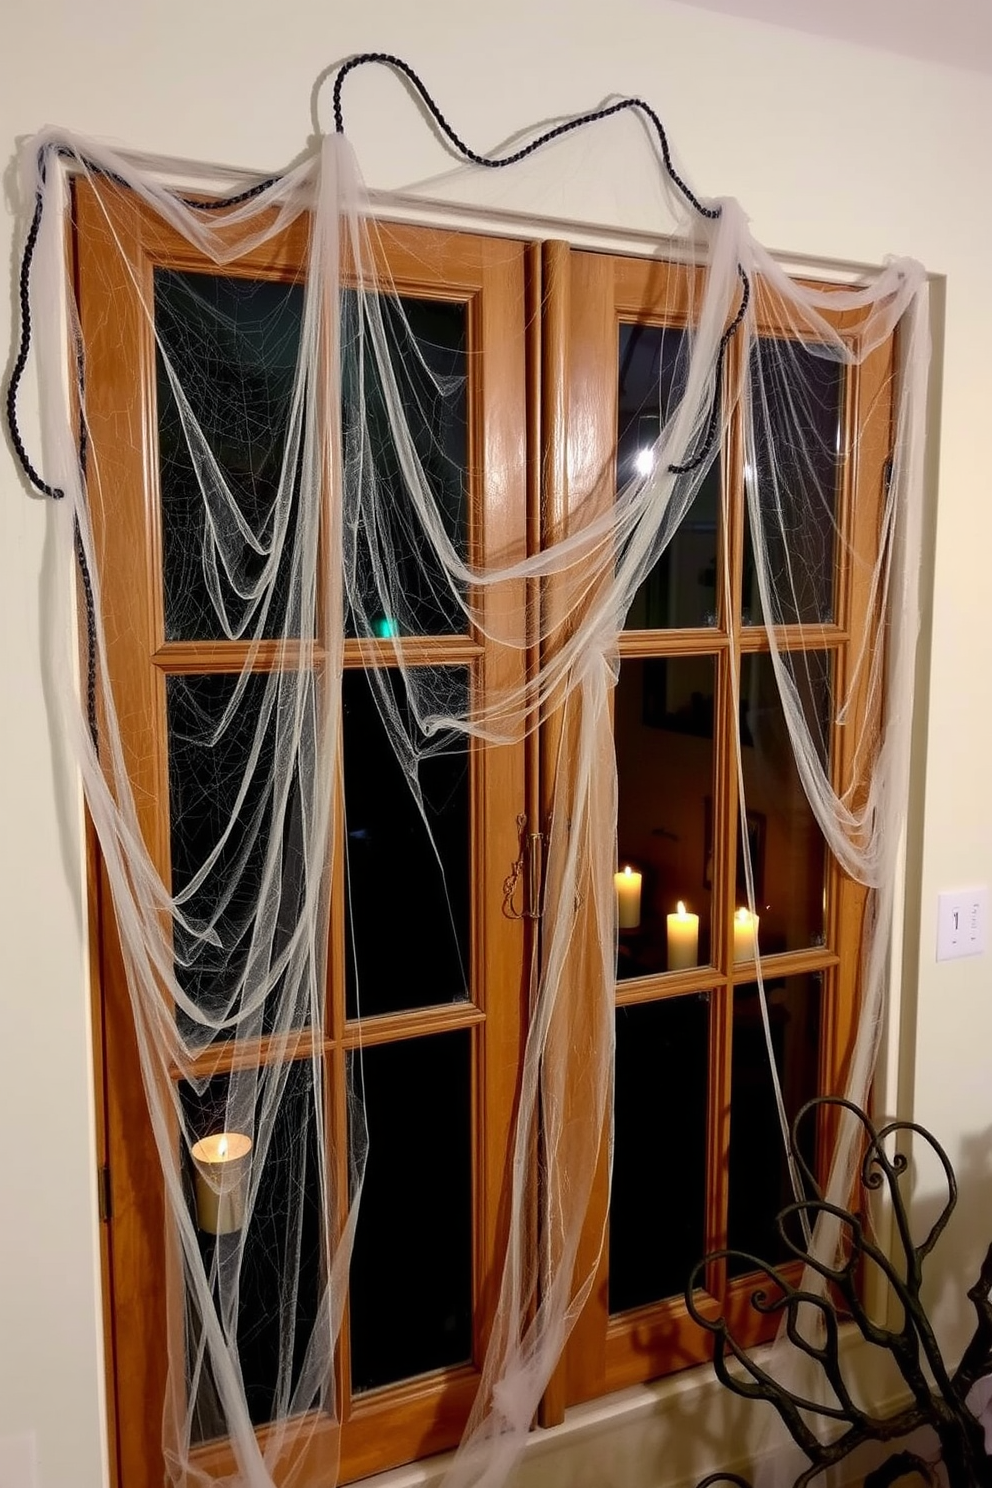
[591,117]
[239,198]
[55,492]
[497,163]
[20,364]
[24,288]
[24,348]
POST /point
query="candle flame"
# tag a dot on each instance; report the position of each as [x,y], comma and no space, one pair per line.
[742,916]
[628,871]
[222,1146]
[681,910]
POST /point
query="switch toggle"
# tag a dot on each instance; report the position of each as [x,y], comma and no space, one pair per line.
[962,921]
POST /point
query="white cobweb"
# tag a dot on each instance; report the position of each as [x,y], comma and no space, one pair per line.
[229,954]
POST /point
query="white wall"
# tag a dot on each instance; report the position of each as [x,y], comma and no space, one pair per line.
[834,150]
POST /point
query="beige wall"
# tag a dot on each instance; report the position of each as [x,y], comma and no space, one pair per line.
[835,152]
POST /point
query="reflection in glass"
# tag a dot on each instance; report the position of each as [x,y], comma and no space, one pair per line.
[797,463]
[284,1231]
[680,590]
[411,1269]
[207,770]
[657,1201]
[759,1179]
[232,344]
[788,852]
[663,724]
[408,873]
[402,588]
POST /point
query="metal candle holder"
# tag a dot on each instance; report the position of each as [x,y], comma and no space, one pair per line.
[938,1395]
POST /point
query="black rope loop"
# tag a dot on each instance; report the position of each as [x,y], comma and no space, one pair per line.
[219,204]
[712,423]
[90,607]
[491,163]
[56,493]
[64,152]
[591,117]
[24,346]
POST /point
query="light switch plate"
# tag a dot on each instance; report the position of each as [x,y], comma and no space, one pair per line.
[962,923]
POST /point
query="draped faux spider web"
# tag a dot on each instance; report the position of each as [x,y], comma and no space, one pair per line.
[310,495]
[226,362]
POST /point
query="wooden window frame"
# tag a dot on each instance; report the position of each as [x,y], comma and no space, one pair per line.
[539,318]
[426,1414]
[595,292]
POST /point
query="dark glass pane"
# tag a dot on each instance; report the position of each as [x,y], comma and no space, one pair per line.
[411,1270]
[680,590]
[401,588]
[798,435]
[232,345]
[284,1232]
[207,762]
[658,1199]
[759,1179]
[663,723]
[788,853]
[408,873]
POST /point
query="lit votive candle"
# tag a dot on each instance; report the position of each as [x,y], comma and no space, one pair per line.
[628,887]
[683,939]
[745,935]
[221,1167]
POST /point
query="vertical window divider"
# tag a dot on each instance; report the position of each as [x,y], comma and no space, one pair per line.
[535,823]
[726,824]
[548,405]
[336,1105]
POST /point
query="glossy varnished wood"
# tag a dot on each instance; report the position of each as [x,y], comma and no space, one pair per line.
[612,1352]
[542,353]
[487,275]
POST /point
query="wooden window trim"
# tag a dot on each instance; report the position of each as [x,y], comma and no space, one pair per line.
[594,292]
[574,388]
[426,1414]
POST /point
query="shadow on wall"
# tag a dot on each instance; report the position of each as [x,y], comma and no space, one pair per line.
[957,1259]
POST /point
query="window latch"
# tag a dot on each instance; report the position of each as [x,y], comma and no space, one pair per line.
[525,875]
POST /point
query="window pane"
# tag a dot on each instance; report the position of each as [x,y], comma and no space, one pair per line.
[401,587]
[759,1180]
[284,1232]
[788,853]
[233,345]
[411,1271]
[798,437]
[208,759]
[663,724]
[680,589]
[408,874]
[658,1199]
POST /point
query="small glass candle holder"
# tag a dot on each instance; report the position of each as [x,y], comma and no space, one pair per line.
[221,1165]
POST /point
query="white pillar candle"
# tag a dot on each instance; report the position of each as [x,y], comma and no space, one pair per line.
[745,935]
[221,1166]
[683,939]
[628,887]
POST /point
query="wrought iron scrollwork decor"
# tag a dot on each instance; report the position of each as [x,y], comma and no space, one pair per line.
[938,1396]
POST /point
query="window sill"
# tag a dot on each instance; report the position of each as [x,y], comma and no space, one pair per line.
[667,1434]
